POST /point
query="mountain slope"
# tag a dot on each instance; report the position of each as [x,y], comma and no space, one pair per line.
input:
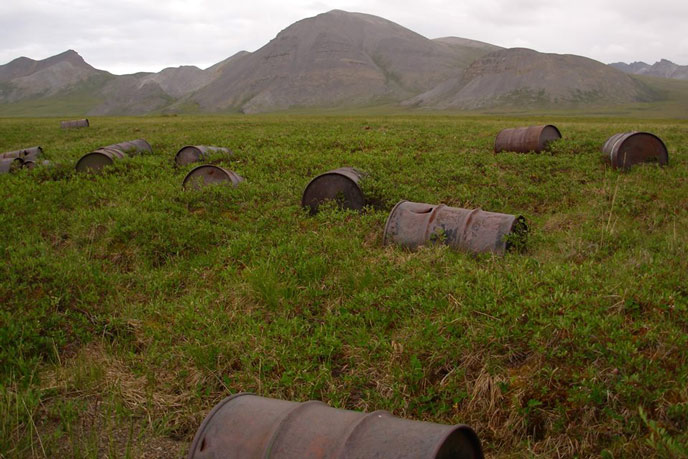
[662,69]
[332,59]
[523,77]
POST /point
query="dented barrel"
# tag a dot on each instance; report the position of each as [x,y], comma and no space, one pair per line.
[526,139]
[209,174]
[196,153]
[412,224]
[245,425]
[8,165]
[625,149]
[73,124]
[30,153]
[341,185]
[105,156]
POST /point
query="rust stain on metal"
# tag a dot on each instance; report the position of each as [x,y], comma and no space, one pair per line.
[96,160]
[526,139]
[245,425]
[625,149]
[412,224]
[341,185]
[74,124]
[194,153]
[209,174]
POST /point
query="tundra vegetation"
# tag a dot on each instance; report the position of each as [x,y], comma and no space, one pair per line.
[129,306]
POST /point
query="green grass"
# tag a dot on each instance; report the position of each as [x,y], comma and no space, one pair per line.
[129,307]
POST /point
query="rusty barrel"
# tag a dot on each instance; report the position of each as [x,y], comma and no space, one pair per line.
[72,124]
[30,164]
[8,165]
[25,154]
[194,153]
[209,174]
[105,156]
[526,139]
[412,224]
[341,185]
[625,149]
[247,426]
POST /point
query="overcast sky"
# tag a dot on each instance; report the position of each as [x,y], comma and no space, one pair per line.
[126,36]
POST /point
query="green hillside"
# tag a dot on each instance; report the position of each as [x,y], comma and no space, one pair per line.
[129,307]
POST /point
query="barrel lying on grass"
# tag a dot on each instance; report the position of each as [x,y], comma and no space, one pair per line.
[209,174]
[526,139]
[411,224]
[246,425]
[341,185]
[73,124]
[625,149]
[105,156]
[31,153]
[196,153]
[8,165]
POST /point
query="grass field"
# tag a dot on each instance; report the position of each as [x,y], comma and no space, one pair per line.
[129,307]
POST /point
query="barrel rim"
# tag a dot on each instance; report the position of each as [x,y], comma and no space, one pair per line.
[195,147]
[623,137]
[227,172]
[389,218]
[100,152]
[472,436]
[338,173]
[209,416]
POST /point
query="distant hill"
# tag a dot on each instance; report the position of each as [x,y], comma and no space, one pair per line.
[523,77]
[662,69]
[333,60]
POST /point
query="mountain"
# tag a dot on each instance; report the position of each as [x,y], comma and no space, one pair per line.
[523,77]
[333,60]
[662,69]
[336,58]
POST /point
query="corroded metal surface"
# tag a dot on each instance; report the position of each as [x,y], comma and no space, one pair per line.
[195,153]
[26,154]
[105,156]
[412,224]
[74,124]
[625,149]
[208,174]
[30,164]
[8,165]
[249,426]
[526,139]
[341,185]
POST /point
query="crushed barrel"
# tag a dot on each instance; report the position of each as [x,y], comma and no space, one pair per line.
[245,425]
[526,139]
[105,156]
[341,185]
[209,174]
[412,224]
[625,149]
[8,165]
[25,154]
[196,153]
[73,124]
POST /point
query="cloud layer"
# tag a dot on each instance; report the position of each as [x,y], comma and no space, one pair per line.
[129,36]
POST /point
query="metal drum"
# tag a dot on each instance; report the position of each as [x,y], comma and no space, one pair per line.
[249,426]
[341,185]
[74,124]
[105,156]
[208,174]
[624,150]
[8,165]
[26,154]
[412,224]
[195,153]
[526,139]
